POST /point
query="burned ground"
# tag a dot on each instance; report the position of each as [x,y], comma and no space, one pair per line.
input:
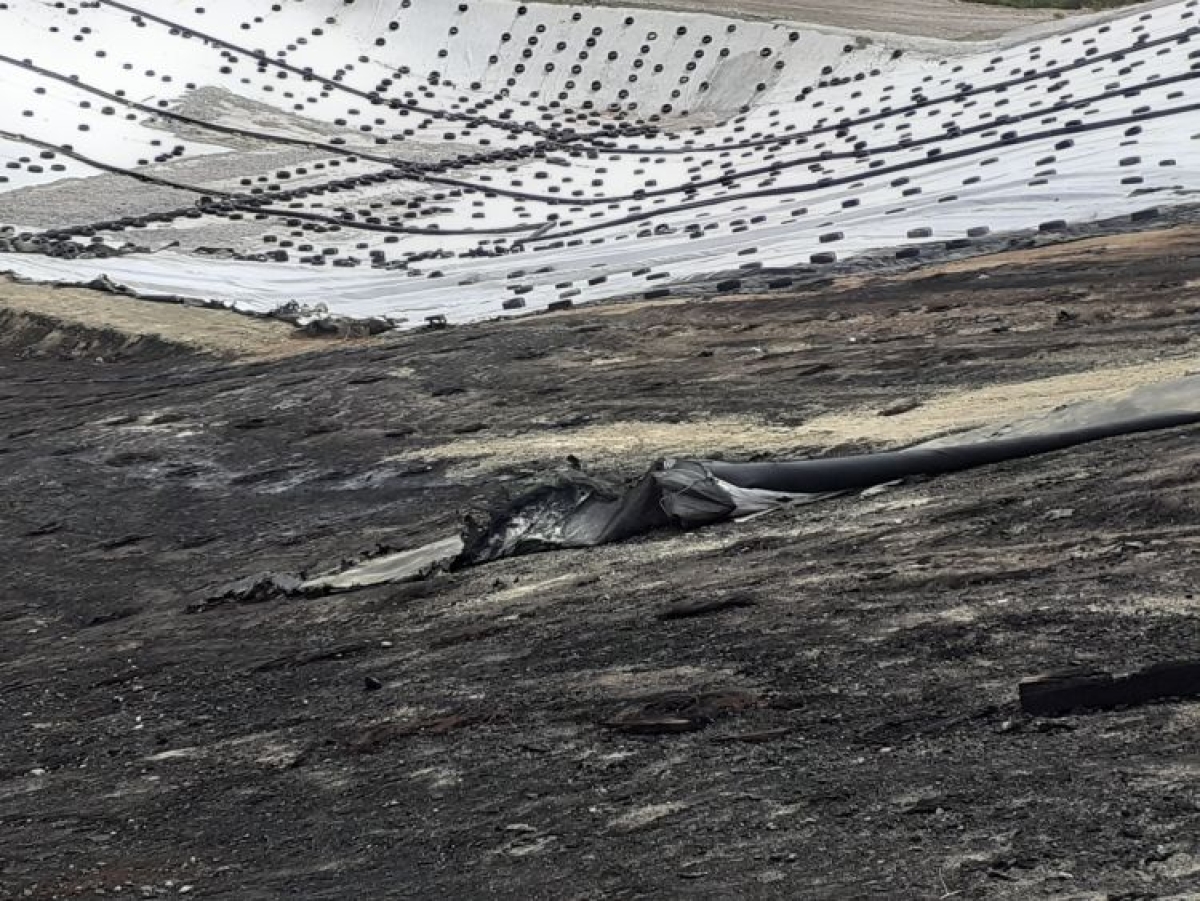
[843,724]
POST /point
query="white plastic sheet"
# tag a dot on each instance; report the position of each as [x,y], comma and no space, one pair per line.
[773,146]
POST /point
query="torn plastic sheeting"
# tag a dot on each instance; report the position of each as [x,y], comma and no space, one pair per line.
[577,512]
[693,493]
[398,567]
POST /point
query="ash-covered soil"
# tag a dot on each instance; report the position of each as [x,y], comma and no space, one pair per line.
[846,727]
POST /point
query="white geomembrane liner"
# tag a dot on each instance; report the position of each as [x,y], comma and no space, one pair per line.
[416,158]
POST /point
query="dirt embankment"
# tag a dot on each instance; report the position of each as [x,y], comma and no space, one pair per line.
[48,321]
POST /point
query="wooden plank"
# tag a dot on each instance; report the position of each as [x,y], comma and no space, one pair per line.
[1058,693]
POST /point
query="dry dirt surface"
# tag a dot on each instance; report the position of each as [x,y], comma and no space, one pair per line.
[841,722]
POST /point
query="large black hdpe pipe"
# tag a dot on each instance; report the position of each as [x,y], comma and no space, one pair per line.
[687,494]
[863,471]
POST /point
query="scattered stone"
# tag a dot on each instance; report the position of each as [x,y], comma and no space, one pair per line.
[376,737]
[467,634]
[48,528]
[701,607]
[653,725]
[647,817]
[756,738]
[113,616]
[876,490]
[810,369]
[905,405]
[678,712]
[251,590]
[319,655]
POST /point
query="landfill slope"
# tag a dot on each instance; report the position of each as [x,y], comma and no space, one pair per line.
[468,161]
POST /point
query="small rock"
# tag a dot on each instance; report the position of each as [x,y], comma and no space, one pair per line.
[876,490]
[370,683]
[691,607]
[904,405]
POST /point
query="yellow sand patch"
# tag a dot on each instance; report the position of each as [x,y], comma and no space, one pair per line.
[737,436]
[996,403]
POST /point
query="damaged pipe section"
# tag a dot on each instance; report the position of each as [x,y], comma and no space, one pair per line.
[581,512]
[688,494]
